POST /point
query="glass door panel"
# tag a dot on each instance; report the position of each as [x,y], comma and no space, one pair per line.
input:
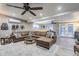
[66,30]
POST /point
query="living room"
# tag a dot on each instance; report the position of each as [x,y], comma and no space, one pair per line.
[39,29]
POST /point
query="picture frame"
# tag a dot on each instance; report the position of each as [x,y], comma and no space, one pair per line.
[4,26]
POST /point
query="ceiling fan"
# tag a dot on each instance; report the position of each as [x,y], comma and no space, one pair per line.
[26,8]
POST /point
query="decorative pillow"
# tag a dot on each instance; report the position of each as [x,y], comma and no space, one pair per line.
[15,35]
[48,34]
[18,34]
[52,35]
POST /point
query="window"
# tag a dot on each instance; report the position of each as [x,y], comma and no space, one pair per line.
[35,26]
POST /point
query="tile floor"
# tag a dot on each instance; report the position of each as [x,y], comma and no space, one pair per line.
[63,47]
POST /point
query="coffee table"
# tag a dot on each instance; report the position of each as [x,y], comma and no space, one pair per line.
[30,40]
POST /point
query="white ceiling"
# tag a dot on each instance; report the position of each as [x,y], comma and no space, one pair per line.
[49,9]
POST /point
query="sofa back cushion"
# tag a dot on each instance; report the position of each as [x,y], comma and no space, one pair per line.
[42,33]
[23,34]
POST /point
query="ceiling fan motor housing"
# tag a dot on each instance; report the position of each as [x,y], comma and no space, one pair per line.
[27,8]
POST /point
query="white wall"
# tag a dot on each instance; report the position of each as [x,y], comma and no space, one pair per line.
[46,27]
[3,19]
[28,26]
[56,28]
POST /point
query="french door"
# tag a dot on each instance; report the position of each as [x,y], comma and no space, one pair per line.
[66,30]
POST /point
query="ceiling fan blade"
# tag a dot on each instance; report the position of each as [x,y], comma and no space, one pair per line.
[32,13]
[15,6]
[36,8]
[23,12]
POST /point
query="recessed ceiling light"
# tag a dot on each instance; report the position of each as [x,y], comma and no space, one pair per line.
[41,14]
[59,8]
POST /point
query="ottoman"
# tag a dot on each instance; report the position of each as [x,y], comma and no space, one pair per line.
[44,42]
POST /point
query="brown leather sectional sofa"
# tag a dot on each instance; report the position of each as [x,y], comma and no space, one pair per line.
[40,38]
